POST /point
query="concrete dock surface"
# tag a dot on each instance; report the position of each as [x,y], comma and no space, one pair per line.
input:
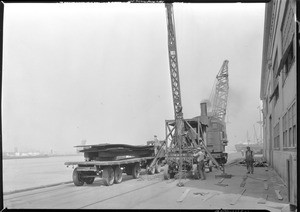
[153,192]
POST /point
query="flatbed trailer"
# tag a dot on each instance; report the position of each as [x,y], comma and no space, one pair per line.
[110,171]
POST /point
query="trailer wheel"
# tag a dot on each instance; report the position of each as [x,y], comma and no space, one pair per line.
[108,176]
[136,170]
[118,175]
[89,180]
[77,178]
[166,172]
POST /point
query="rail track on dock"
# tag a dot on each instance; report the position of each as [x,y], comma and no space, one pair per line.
[66,196]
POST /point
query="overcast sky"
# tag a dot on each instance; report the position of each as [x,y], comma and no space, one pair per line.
[100,71]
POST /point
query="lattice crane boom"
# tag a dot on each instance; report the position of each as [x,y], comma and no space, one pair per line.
[220,97]
[173,62]
[174,72]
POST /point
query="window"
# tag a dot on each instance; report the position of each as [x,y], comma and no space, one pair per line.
[275,64]
[290,58]
[294,126]
[275,80]
[275,94]
[289,123]
[267,107]
[276,136]
[288,61]
[288,30]
[285,130]
[287,26]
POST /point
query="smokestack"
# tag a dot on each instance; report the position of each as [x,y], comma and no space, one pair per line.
[203,107]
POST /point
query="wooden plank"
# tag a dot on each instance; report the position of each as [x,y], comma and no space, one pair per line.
[278,195]
[243,182]
[181,198]
[221,184]
[201,193]
[234,201]
[266,186]
[210,196]
[261,179]
[258,178]
[221,180]
[263,199]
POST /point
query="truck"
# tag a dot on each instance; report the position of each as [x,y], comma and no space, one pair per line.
[110,161]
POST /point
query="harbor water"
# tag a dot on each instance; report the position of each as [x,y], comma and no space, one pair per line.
[19,174]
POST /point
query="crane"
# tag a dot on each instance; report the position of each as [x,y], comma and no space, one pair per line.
[174,72]
[220,93]
[216,131]
[175,83]
[179,156]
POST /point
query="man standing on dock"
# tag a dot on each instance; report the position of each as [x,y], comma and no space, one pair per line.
[249,160]
[200,159]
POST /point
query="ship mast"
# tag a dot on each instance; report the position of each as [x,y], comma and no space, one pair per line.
[260,124]
[247,138]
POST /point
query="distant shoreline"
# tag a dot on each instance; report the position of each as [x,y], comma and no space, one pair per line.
[37,156]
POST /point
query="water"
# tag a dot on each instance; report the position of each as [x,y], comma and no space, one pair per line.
[33,172]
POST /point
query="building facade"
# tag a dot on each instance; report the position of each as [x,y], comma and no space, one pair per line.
[278,91]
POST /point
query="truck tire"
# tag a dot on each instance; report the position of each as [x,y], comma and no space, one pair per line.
[77,178]
[136,170]
[89,180]
[108,176]
[166,172]
[118,175]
